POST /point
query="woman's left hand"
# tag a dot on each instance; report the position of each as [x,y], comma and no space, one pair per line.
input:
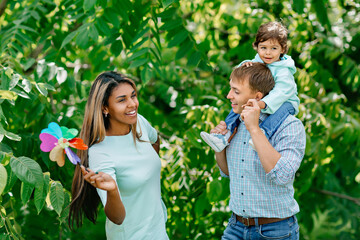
[99,180]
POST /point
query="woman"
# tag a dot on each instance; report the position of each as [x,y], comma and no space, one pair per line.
[123,161]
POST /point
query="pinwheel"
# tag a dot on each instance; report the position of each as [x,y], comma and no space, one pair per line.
[57,140]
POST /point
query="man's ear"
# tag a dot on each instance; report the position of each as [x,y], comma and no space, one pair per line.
[259,96]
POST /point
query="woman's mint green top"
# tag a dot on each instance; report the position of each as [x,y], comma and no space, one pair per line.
[136,170]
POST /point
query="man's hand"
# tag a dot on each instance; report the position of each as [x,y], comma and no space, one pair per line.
[220,128]
[250,114]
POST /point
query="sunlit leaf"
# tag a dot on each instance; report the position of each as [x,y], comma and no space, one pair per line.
[3,178]
[10,95]
[57,196]
[27,170]
[25,192]
[138,62]
[88,4]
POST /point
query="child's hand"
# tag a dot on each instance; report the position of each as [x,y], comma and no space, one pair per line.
[220,128]
[248,64]
[259,102]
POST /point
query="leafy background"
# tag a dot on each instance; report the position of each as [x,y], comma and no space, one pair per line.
[181,54]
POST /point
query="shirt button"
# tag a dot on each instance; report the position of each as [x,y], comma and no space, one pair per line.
[244,142]
[242,159]
[242,176]
[243,210]
[242,193]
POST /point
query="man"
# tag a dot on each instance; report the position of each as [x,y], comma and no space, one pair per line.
[261,180]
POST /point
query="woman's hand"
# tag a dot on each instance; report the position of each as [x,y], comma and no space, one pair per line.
[99,180]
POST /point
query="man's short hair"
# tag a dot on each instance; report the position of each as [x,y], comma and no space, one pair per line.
[259,76]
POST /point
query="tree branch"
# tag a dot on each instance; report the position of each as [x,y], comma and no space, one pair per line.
[339,195]
[2,7]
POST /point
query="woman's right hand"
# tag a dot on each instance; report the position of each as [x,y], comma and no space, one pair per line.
[99,180]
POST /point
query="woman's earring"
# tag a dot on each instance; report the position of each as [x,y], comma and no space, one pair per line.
[106,115]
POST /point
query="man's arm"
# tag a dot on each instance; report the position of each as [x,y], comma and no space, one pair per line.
[267,154]
[221,161]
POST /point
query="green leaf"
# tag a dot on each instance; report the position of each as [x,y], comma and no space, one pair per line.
[12,136]
[41,192]
[194,59]
[26,85]
[146,75]
[169,25]
[93,32]
[167,3]
[138,62]
[140,34]
[116,47]
[82,39]
[11,180]
[178,38]
[214,190]
[112,17]
[61,76]
[88,4]
[25,192]
[65,212]
[41,88]
[14,80]
[9,135]
[184,49]
[57,196]
[2,116]
[138,54]
[68,39]
[27,170]
[103,26]
[9,95]
[321,12]
[3,178]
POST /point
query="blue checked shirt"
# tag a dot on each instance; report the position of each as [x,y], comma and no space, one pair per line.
[254,193]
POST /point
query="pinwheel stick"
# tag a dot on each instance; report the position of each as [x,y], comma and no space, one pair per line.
[83,166]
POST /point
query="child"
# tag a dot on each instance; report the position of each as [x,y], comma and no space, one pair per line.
[271,46]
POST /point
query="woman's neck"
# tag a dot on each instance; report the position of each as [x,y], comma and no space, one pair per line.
[118,131]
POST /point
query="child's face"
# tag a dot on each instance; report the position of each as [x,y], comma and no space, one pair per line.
[269,51]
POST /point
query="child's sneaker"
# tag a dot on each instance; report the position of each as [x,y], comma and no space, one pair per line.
[251,141]
[216,141]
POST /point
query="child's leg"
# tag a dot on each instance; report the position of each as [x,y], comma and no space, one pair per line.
[273,121]
[232,121]
[218,141]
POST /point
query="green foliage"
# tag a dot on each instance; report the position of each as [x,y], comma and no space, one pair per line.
[181,54]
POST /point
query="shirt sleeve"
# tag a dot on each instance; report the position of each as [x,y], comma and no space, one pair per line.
[151,132]
[100,161]
[285,88]
[290,143]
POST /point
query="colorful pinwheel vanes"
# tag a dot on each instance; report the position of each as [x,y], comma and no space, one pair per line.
[58,140]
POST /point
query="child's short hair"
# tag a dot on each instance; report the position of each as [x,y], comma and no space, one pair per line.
[272,30]
[259,76]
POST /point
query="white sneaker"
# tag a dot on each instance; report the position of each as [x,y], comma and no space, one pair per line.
[216,141]
[251,143]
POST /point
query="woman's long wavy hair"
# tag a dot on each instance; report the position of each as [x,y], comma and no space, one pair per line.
[85,199]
